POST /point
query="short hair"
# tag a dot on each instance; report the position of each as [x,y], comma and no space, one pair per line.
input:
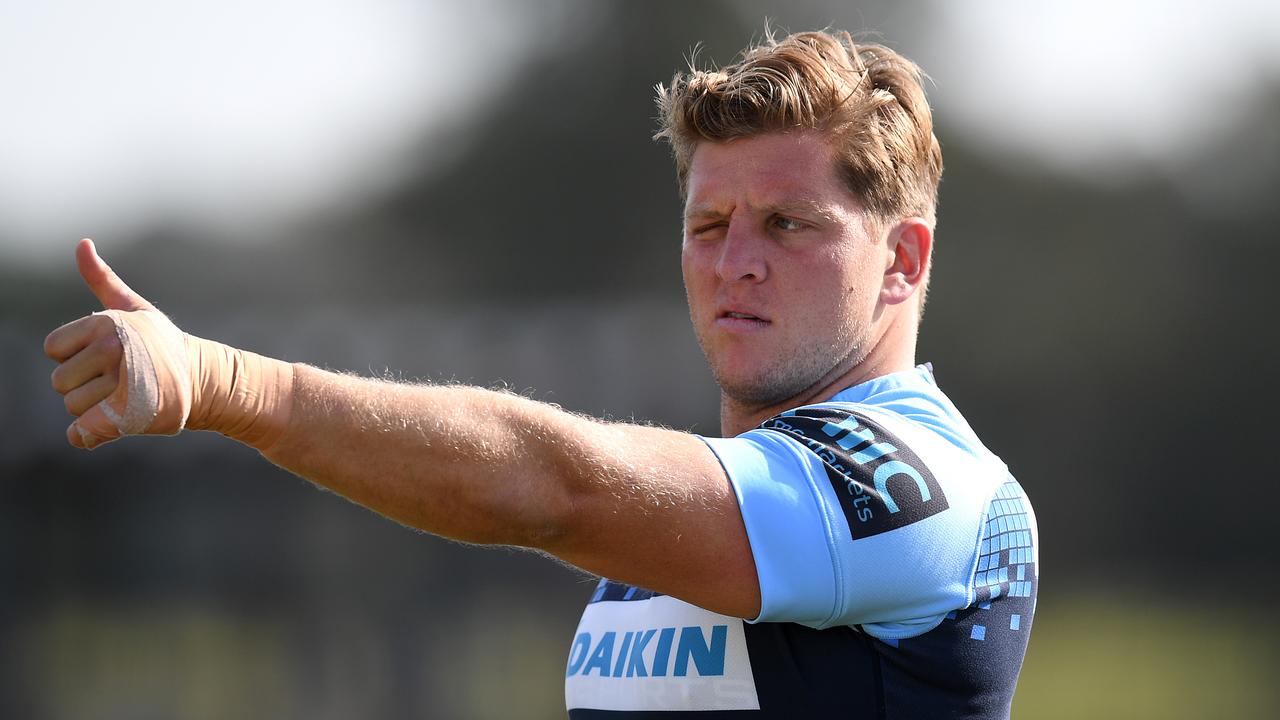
[867,99]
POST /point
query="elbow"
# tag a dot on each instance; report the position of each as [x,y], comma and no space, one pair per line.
[557,488]
[551,522]
[558,514]
[539,512]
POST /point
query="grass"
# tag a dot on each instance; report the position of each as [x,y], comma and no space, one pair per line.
[1121,656]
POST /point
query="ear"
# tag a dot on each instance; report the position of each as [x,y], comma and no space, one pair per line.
[909,246]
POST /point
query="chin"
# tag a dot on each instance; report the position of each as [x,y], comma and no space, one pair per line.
[759,390]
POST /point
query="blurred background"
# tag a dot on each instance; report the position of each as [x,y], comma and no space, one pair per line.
[467,191]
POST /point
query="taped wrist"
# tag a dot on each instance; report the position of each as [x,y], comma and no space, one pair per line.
[240,394]
[170,380]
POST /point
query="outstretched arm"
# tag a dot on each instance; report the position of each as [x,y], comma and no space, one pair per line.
[643,505]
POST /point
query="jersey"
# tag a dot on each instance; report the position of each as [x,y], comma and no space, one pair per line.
[898,568]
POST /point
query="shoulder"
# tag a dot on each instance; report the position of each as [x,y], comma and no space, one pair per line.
[887,470]
[898,435]
[872,503]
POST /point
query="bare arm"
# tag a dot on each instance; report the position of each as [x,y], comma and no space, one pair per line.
[646,506]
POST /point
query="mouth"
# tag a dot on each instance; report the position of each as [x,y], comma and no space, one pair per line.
[738,320]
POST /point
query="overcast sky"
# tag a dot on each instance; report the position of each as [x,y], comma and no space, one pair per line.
[235,114]
[1096,84]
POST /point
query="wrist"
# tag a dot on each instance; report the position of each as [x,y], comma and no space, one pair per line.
[240,394]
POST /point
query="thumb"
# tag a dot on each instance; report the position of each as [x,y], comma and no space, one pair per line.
[103,281]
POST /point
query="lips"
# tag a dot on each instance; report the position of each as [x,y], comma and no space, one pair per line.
[740,313]
[740,319]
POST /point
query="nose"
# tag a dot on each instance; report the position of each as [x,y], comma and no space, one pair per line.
[742,253]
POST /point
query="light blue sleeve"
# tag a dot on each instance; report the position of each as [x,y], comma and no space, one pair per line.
[793,531]
[812,571]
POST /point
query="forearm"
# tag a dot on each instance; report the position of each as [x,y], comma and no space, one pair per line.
[462,462]
[645,505]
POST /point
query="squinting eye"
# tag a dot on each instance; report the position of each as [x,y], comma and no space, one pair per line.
[785,223]
[705,230]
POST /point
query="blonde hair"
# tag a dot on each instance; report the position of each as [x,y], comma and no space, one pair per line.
[867,99]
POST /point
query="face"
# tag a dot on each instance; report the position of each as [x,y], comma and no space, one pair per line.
[781,270]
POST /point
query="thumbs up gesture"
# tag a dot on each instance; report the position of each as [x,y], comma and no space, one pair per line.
[128,370]
[122,371]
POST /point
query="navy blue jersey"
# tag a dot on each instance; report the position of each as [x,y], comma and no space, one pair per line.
[897,560]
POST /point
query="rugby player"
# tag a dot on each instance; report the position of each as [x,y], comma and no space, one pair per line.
[847,548]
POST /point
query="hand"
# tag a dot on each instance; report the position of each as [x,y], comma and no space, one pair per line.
[122,371]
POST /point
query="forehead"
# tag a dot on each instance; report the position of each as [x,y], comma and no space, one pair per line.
[766,170]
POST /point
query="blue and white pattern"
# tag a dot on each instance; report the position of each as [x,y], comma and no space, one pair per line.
[1007,549]
[898,564]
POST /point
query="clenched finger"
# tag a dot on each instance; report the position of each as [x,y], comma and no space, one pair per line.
[74,336]
[92,429]
[100,357]
[87,395]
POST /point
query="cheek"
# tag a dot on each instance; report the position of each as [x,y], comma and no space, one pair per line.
[694,267]
[858,289]
[863,274]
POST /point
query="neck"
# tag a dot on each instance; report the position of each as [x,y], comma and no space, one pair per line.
[894,352]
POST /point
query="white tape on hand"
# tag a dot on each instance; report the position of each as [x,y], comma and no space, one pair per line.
[170,380]
[154,393]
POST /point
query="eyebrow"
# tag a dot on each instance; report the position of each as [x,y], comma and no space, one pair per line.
[785,207]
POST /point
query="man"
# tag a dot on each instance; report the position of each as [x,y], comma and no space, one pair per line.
[884,561]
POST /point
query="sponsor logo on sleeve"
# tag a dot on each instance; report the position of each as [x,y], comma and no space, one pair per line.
[882,485]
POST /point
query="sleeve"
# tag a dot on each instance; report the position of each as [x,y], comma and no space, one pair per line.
[849,526]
